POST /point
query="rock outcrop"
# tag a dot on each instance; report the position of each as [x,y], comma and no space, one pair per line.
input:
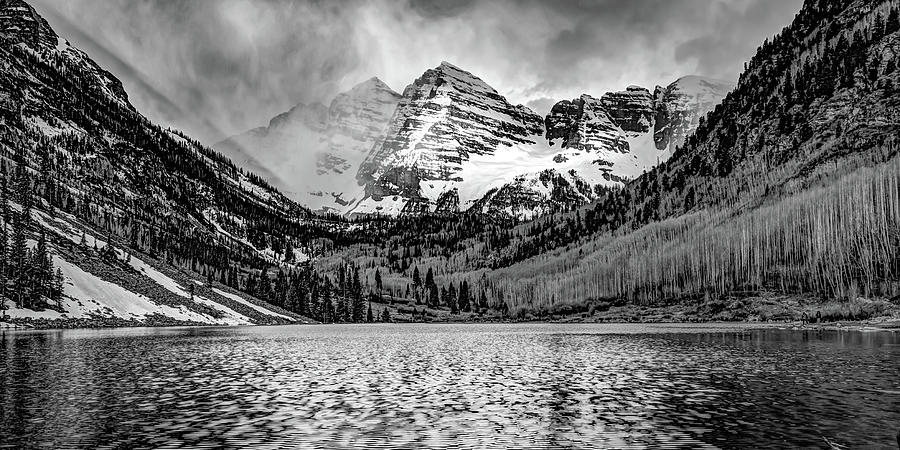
[679,107]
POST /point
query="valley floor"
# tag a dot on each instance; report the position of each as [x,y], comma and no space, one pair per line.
[799,312]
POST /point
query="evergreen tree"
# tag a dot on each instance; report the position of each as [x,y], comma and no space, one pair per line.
[42,268]
[385,315]
[451,299]
[369,317]
[315,299]
[4,198]
[18,258]
[340,307]
[464,299]
[378,280]
[327,305]
[4,266]
[432,295]
[58,288]
[265,286]
[417,279]
[288,251]
[358,303]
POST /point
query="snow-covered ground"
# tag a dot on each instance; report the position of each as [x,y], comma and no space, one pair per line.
[87,295]
[242,301]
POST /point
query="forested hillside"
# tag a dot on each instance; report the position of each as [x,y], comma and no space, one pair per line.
[110,219]
[788,188]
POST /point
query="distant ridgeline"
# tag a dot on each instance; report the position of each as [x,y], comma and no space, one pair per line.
[790,186]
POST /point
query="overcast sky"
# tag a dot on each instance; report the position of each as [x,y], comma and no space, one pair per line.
[216,68]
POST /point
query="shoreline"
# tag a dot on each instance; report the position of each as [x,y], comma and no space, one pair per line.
[887,324]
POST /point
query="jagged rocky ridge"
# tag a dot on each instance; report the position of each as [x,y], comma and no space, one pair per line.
[455,144]
[451,143]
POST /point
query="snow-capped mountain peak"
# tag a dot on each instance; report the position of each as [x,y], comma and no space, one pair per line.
[445,117]
[312,152]
[681,104]
[452,142]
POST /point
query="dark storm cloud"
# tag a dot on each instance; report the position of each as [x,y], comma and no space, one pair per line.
[233,64]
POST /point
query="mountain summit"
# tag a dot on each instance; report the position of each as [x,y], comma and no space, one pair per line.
[454,143]
[312,152]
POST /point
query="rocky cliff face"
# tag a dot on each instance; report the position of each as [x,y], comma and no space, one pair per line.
[585,124]
[680,105]
[454,143]
[444,118]
[633,121]
[631,109]
[604,142]
[313,152]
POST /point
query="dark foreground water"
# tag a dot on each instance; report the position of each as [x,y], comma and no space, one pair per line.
[464,386]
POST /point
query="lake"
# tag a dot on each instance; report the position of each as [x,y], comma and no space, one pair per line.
[461,386]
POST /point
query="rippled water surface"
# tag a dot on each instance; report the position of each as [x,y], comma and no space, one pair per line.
[465,386]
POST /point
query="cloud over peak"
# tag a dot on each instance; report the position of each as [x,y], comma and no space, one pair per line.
[218,68]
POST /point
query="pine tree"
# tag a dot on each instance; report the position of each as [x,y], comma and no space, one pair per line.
[42,267]
[288,251]
[327,305]
[4,199]
[340,306]
[451,299]
[18,258]
[358,304]
[454,302]
[378,280]
[315,299]
[385,315]
[464,299]
[369,317]
[265,286]
[417,279]
[58,288]
[4,266]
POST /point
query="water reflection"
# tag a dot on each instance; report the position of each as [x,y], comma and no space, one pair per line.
[467,386]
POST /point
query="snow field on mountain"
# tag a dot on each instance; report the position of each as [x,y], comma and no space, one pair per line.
[86,293]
